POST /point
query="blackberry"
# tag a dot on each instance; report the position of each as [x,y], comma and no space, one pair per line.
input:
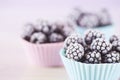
[93,57]
[104,18]
[74,38]
[57,27]
[89,21]
[101,45]
[116,45]
[75,51]
[56,37]
[66,31]
[43,26]
[113,38]
[76,14]
[38,37]
[91,35]
[112,57]
[28,31]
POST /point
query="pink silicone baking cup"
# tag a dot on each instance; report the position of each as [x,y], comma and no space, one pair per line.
[43,54]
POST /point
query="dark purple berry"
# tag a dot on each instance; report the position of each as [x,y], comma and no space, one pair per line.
[113,38]
[74,38]
[93,57]
[101,45]
[76,15]
[104,18]
[43,26]
[112,57]
[116,45]
[92,35]
[28,31]
[66,31]
[75,51]
[89,21]
[38,37]
[57,27]
[56,37]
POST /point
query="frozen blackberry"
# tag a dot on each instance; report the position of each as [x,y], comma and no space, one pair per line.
[104,17]
[43,26]
[91,35]
[67,30]
[56,37]
[57,27]
[76,14]
[89,21]
[28,30]
[38,37]
[75,51]
[116,45]
[74,38]
[113,38]
[112,57]
[101,45]
[93,57]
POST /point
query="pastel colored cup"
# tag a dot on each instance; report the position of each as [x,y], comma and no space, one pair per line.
[107,30]
[46,55]
[82,71]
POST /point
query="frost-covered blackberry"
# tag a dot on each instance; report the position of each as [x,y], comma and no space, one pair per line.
[101,45]
[74,38]
[112,57]
[75,51]
[92,35]
[55,37]
[116,45]
[113,38]
[76,15]
[93,57]
[43,26]
[57,27]
[38,37]
[28,30]
[89,21]
[67,30]
[104,18]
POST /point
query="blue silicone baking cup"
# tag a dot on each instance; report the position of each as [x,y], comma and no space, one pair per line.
[107,30]
[82,71]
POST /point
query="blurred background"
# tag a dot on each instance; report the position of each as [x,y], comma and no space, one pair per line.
[15,13]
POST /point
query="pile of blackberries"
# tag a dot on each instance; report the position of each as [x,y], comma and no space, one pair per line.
[90,20]
[94,48]
[46,32]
